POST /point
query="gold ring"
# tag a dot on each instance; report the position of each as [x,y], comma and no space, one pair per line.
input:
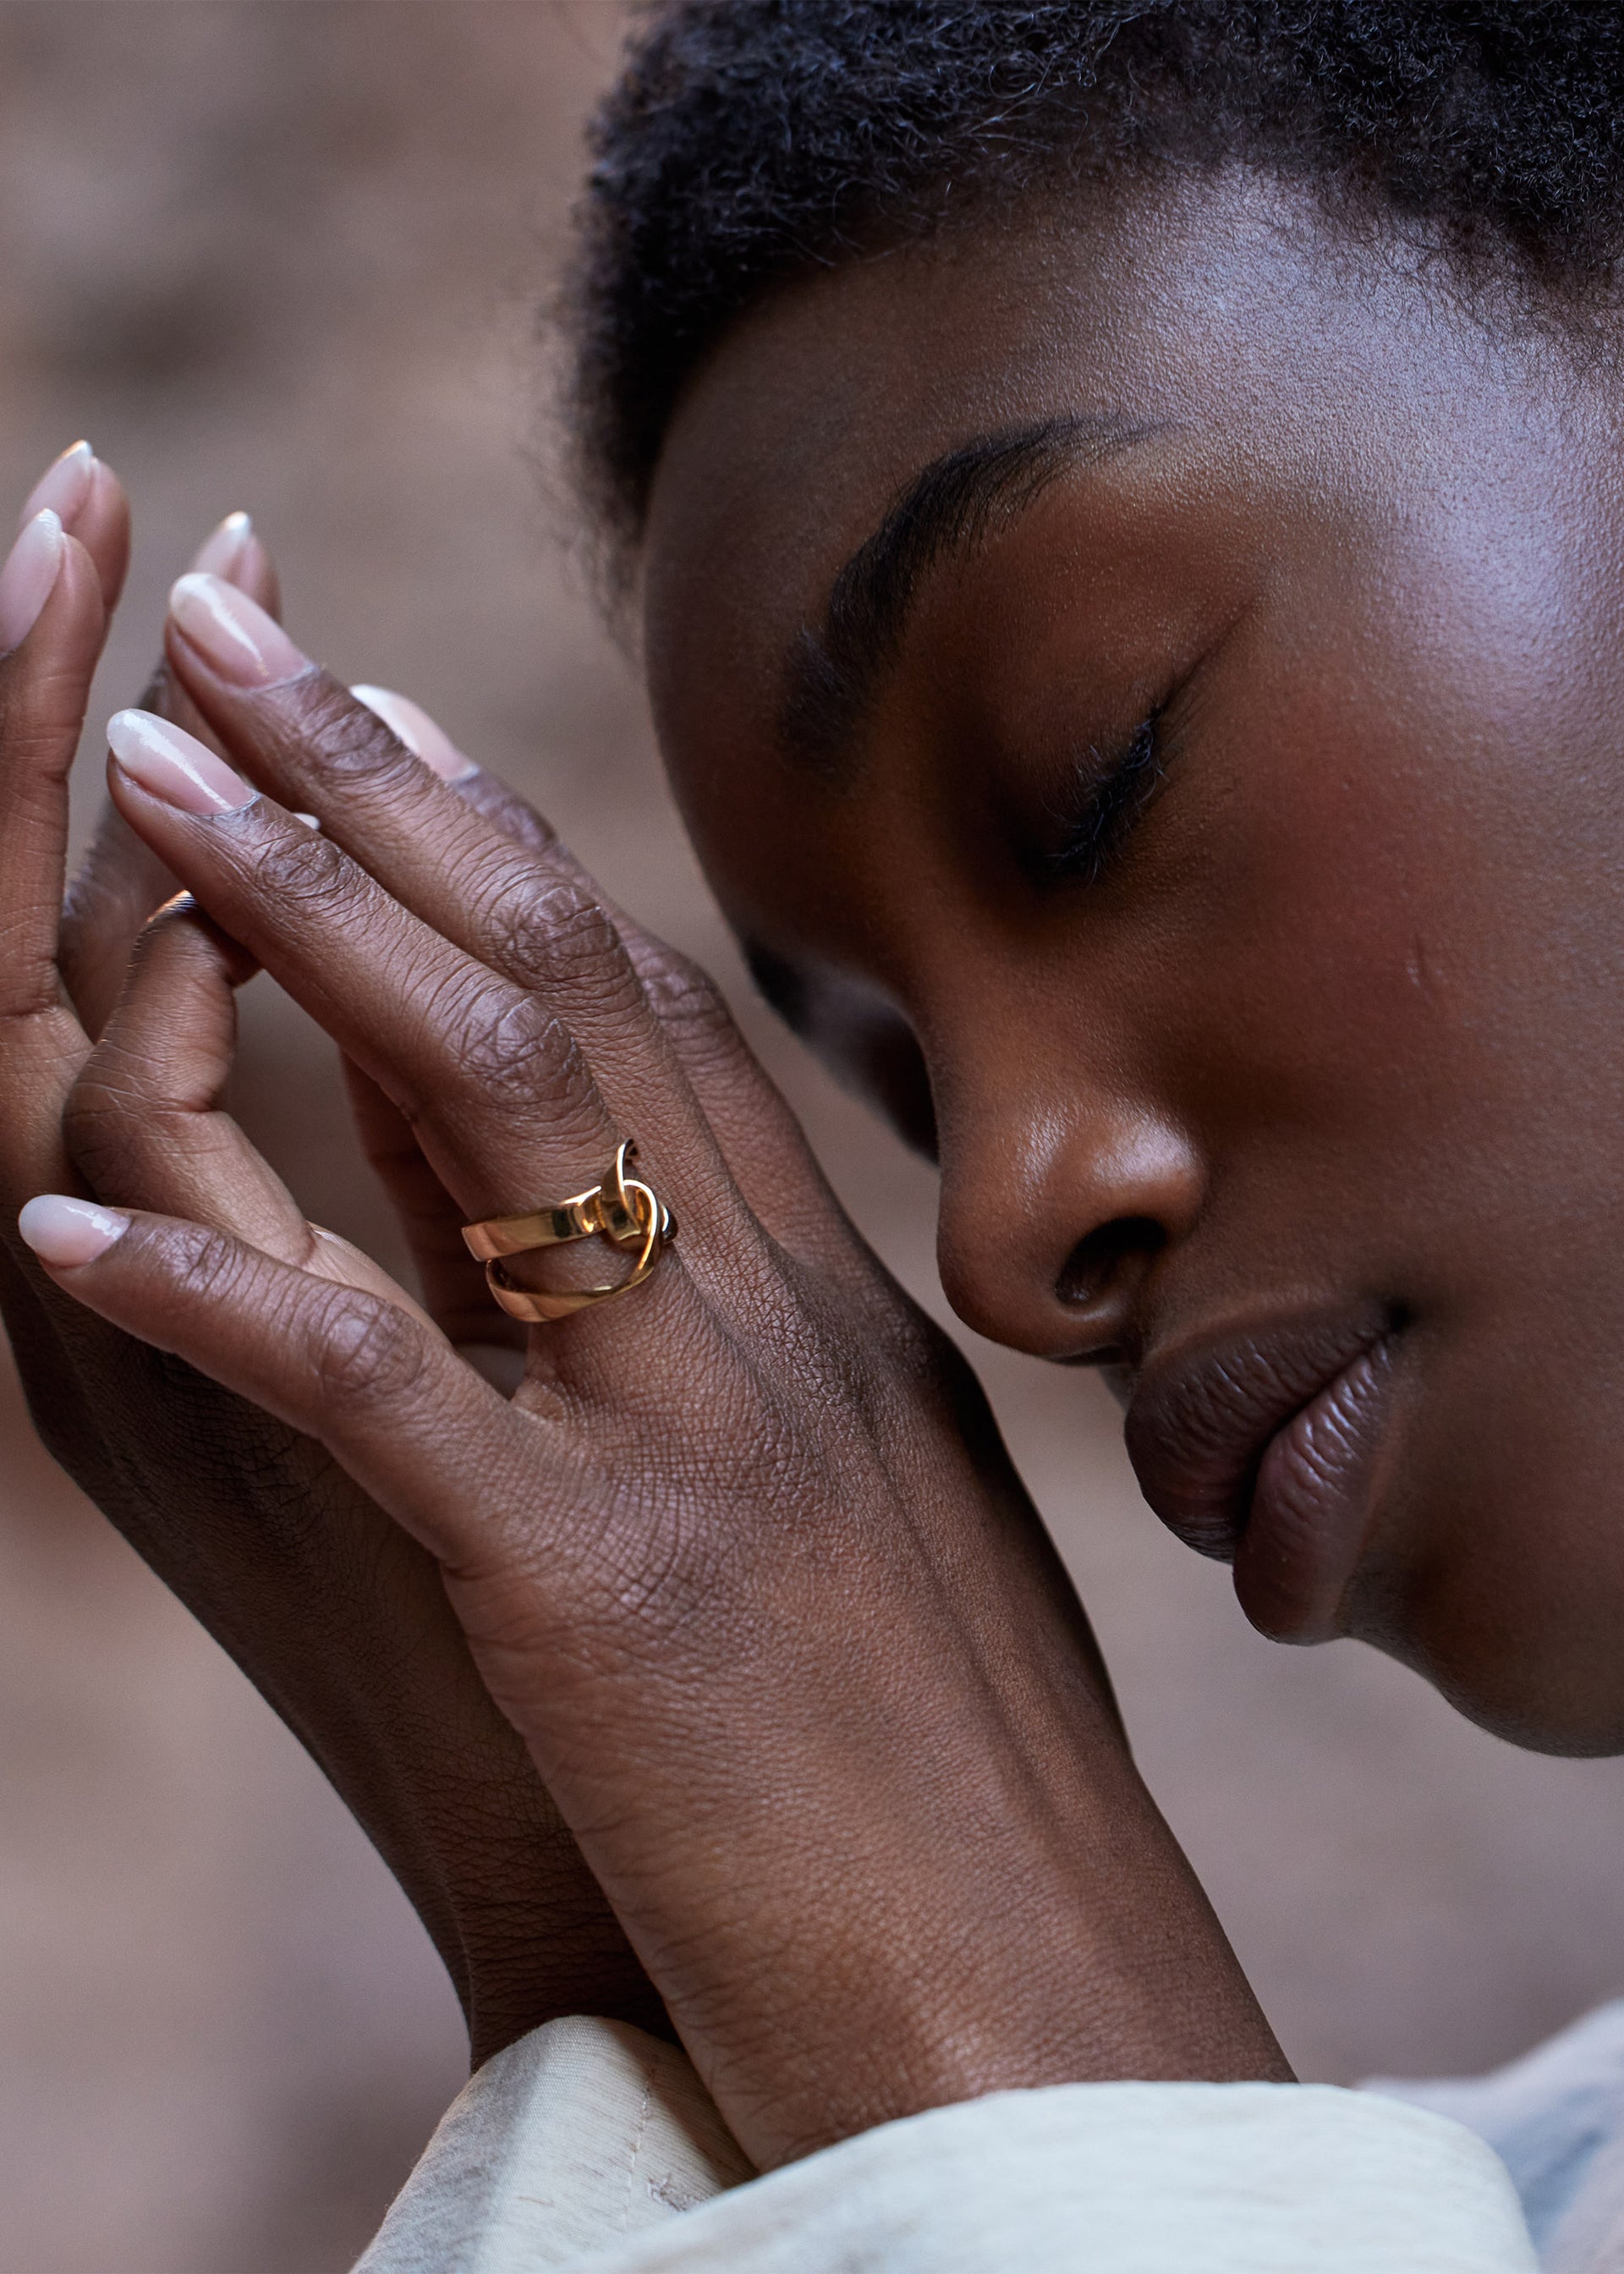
[621,1209]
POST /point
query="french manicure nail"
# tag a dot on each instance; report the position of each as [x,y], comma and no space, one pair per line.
[411,723]
[233,633]
[66,1232]
[174,766]
[63,485]
[222,551]
[27,577]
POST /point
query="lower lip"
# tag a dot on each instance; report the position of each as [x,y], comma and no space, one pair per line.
[1312,1506]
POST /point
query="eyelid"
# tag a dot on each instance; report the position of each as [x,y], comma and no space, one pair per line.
[1108,798]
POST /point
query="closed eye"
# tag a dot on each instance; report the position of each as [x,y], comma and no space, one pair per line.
[1108,796]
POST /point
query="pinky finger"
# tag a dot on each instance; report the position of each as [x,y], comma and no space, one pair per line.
[386,1393]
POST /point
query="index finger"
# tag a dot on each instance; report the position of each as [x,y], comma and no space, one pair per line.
[469,1057]
[483,870]
[302,736]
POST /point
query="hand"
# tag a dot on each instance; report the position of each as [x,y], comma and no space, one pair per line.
[744,1560]
[335,1614]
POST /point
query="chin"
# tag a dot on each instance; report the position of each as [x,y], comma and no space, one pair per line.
[1540,1718]
[1495,1567]
[1531,1663]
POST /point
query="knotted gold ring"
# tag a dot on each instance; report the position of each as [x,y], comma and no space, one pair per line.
[621,1209]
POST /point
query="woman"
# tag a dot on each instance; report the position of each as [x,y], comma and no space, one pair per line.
[1124,506]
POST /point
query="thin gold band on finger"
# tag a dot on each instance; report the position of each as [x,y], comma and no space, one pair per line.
[621,1209]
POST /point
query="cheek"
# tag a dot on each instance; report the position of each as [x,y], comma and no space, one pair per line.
[1384,986]
[1350,940]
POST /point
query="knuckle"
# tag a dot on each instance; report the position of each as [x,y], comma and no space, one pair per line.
[549,929]
[300,870]
[508,811]
[135,1155]
[30,987]
[338,737]
[206,1265]
[366,1351]
[685,999]
[102,1125]
[40,717]
[510,1050]
[123,1114]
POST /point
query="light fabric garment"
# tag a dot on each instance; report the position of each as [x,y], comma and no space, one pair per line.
[592,2146]
[1556,2119]
[583,2132]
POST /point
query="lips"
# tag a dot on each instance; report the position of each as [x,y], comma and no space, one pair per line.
[1258,1449]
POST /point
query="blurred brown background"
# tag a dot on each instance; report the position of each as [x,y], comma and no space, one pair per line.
[285,255]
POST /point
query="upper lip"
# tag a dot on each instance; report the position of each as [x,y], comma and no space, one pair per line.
[1203,1414]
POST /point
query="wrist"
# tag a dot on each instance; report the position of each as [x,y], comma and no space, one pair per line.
[1103,1967]
[568,1957]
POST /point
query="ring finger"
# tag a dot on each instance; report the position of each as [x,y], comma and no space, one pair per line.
[484,870]
[509,1110]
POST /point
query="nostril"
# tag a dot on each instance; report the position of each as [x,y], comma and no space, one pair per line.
[1096,1264]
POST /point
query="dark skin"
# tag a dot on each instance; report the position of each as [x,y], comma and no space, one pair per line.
[112,1070]
[744,1561]
[1282,1083]
[1333,1033]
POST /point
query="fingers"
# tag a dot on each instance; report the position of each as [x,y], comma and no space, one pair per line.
[299,736]
[686,1004]
[378,1385]
[44,682]
[763,1144]
[403,832]
[454,1287]
[513,899]
[758,1134]
[143,1122]
[411,725]
[120,882]
[296,733]
[236,553]
[88,498]
[363,763]
[492,1082]
[452,1283]
[539,920]
[501,1098]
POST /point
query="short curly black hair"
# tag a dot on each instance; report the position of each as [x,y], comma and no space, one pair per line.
[749,140]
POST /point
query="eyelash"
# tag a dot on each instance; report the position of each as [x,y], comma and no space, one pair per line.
[1109,802]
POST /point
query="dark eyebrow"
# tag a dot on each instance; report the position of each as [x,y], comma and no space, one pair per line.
[834,670]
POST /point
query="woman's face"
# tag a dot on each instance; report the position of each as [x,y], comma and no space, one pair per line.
[1145,686]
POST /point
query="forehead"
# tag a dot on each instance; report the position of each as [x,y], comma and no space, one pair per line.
[1332,426]
[1226,307]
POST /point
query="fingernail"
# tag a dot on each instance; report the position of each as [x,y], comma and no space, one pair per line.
[26,581]
[63,485]
[233,633]
[411,723]
[65,1231]
[222,551]
[174,766]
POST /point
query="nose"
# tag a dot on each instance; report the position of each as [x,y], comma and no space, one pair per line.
[1050,1222]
